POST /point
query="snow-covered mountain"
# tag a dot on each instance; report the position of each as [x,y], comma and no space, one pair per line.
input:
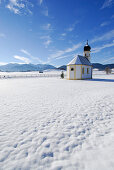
[25,67]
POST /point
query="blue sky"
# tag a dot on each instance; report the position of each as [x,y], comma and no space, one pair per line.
[54,31]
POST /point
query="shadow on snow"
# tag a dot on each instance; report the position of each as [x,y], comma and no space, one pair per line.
[104,80]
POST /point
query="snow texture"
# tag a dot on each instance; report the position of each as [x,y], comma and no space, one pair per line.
[55,124]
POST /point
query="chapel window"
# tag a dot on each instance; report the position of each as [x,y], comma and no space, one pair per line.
[83,70]
[72,69]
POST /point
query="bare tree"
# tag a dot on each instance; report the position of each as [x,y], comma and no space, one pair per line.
[108,70]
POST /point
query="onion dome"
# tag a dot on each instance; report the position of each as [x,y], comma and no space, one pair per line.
[87,47]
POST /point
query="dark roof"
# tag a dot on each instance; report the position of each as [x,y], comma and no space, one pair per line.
[80,60]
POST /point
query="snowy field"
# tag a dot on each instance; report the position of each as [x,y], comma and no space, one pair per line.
[55,124]
[46,73]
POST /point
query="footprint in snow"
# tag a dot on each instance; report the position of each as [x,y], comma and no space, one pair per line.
[48,154]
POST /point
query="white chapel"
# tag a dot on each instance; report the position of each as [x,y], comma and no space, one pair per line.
[80,67]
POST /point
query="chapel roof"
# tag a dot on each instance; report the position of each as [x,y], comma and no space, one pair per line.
[80,60]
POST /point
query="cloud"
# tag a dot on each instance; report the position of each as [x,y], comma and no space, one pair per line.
[25,59]
[47,40]
[69,29]
[104,24]
[106,36]
[110,59]
[3,63]
[40,2]
[68,50]
[19,6]
[47,43]
[25,52]
[66,56]
[98,49]
[32,57]
[107,4]
[47,27]
[45,37]
[72,27]
[64,34]
[45,12]
[2,35]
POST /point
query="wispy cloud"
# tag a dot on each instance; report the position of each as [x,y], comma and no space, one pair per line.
[45,12]
[3,63]
[98,49]
[72,27]
[47,43]
[26,52]
[47,27]
[66,56]
[104,23]
[2,35]
[69,29]
[47,40]
[63,34]
[31,56]
[40,2]
[107,3]
[60,53]
[106,36]
[110,59]
[20,6]
[24,59]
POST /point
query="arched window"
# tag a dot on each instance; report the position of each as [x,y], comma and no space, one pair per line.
[87,70]
[83,70]
[72,69]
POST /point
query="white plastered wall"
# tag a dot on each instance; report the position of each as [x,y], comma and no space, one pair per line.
[68,72]
[72,73]
[78,72]
[85,75]
[75,74]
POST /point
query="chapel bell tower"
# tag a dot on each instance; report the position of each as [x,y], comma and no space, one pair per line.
[87,51]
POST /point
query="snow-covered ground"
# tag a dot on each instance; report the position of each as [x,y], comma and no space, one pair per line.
[53,124]
[46,73]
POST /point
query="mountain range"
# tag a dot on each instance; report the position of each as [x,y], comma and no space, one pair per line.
[95,65]
[41,67]
[25,67]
